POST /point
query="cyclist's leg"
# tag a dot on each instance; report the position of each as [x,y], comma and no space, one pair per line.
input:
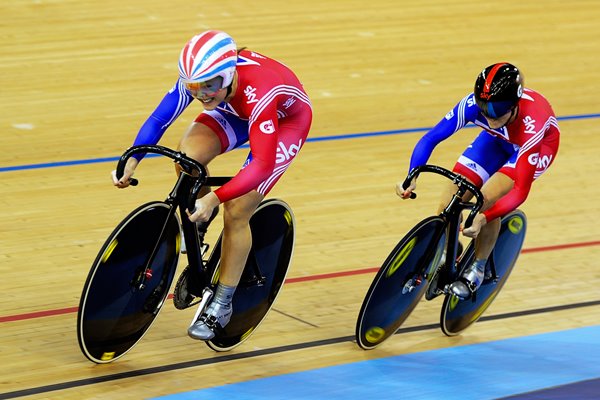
[475,165]
[457,315]
[237,237]
[499,184]
[496,187]
[450,189]
[473,276]
[211,134]
[235,247]
[201,142]
[479,164]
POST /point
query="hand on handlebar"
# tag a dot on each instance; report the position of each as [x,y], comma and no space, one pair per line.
[406,193]
[204,208]
[127,174]
[478,222]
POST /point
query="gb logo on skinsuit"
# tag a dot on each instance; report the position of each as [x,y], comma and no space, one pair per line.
[267,127]
[533,158]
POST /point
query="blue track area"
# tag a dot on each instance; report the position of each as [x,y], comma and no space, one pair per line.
[546,366]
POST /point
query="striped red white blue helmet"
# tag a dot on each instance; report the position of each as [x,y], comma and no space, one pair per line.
[208,55]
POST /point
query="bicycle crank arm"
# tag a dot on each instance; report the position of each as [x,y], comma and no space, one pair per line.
[207,294]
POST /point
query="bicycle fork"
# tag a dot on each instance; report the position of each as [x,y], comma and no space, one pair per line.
[428,267]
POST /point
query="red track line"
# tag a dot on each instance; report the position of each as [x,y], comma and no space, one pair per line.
[38,314]
[561,246]
[331,275]
[68,310]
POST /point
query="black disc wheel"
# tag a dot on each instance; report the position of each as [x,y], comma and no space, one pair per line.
[399,284]
[273,236]
[128,282]
[457,315]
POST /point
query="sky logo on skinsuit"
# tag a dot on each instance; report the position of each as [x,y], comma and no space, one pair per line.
[267,127]
[286,153]
[256,55]
[250,94]
[529,125]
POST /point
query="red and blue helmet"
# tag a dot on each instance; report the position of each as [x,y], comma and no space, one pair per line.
[206,56]
[498,89]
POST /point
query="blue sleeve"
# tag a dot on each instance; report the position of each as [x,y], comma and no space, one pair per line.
[464,112]
[171,107]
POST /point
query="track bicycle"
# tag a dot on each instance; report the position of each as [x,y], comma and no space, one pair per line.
[130,278]
[415,269]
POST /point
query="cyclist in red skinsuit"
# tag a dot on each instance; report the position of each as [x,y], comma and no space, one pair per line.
[246,97]
[535,133]
[518,144]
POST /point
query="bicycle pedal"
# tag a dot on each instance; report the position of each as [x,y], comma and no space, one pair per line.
[207,295]
[446,289]
[188,302]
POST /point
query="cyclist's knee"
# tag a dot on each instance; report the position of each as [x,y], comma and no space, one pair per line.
[200,143]
[239,210]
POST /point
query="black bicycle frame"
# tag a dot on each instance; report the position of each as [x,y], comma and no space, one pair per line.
[452,212]
[192,178]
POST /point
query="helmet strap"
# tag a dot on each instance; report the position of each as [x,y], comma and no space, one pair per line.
[230,87]
[513,112]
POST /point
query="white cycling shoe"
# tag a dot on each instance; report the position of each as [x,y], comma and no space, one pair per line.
[214,319]
[470,280]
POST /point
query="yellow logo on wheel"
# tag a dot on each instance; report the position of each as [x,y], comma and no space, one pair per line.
[247,333]
[515,224]
[401,257]
[177,243]
[374,334]
[109,250]
[288,217]
[107,355]
[453,302]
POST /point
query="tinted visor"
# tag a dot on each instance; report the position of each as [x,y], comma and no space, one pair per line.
[204,89]
[495,109]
